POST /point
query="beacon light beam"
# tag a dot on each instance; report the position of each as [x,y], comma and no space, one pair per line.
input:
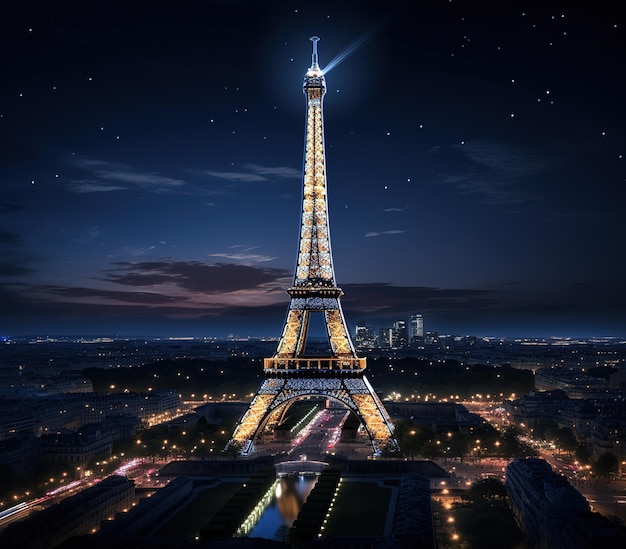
[349,50]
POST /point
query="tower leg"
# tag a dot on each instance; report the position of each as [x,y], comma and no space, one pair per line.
[355,393]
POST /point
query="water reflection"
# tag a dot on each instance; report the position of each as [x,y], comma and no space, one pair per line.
[291,493]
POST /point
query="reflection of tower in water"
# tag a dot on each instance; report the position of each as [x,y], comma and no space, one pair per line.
[291,493]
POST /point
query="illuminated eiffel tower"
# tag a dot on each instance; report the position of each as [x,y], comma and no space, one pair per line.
[290,374]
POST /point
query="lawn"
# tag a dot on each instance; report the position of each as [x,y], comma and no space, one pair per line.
[360,510]
[187,522]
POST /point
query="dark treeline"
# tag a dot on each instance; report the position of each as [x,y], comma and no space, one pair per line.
[189,376]
[241,376]
[447,377]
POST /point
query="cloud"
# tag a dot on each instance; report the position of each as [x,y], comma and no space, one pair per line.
[142,179]
[244,255]
[9,207]
[194,276]
[495,172]
[382,303]
[95,187]
[154,289]
[280,171]
[172,294]
[236,176]
[244,258]
[254,173]
[507,159]
[14,261]
[103,170]
[91,232]
[393,231]
[583,215]
[401,300]
[14,268]
[144,298]
[9,238]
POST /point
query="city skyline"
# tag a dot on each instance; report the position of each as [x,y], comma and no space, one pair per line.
[152,167]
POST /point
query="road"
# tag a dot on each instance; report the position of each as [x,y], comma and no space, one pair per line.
[607,497]
[320,437]
[130,468]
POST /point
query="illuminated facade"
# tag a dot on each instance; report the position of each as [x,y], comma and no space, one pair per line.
[417,327]
[290,374]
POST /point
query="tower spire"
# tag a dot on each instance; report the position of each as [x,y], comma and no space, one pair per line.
[314,63]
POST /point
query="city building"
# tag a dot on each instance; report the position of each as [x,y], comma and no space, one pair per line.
[76,449]
[598,424]
[365,338]
[386,338]
[536,408]
[15,422]
[608,434]
[19,454]
[128,525]
[74,516]
[437,416]
[400,337]
[417,328]
[552,513]
[36,385]
[575,383]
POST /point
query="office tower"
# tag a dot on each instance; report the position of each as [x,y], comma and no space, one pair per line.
[417,327]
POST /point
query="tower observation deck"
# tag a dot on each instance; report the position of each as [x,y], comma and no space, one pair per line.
[290,374]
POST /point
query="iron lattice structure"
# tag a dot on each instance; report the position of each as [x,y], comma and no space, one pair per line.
[290,374]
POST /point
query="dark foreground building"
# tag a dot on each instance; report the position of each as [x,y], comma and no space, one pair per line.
[552,513]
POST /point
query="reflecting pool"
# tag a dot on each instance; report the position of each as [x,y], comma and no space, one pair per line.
[290,495]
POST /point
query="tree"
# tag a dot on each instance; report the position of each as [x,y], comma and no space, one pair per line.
[488,522]
[411,437]
[490,489]
[567,440]
[233,449]
[606,465]
[581,453]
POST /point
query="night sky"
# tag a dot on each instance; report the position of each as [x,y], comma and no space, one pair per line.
[151,159]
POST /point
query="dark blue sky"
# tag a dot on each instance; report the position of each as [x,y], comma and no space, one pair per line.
[151,163]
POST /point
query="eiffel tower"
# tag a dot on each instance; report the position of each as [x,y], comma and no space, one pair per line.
[290,374]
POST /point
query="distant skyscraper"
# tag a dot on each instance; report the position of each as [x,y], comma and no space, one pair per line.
[365,337]
[417,327]
[291,373]
[400,334]
[386,338]
[395,337]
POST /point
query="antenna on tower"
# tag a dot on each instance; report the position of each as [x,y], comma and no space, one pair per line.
[315,40]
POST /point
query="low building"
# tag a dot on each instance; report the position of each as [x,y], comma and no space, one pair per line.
[537,407]
[15,422]
[437,416]
[76,449]
[35,385]
[75,516]
[19,454]
[608,434]
[125,526]
[575,383]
